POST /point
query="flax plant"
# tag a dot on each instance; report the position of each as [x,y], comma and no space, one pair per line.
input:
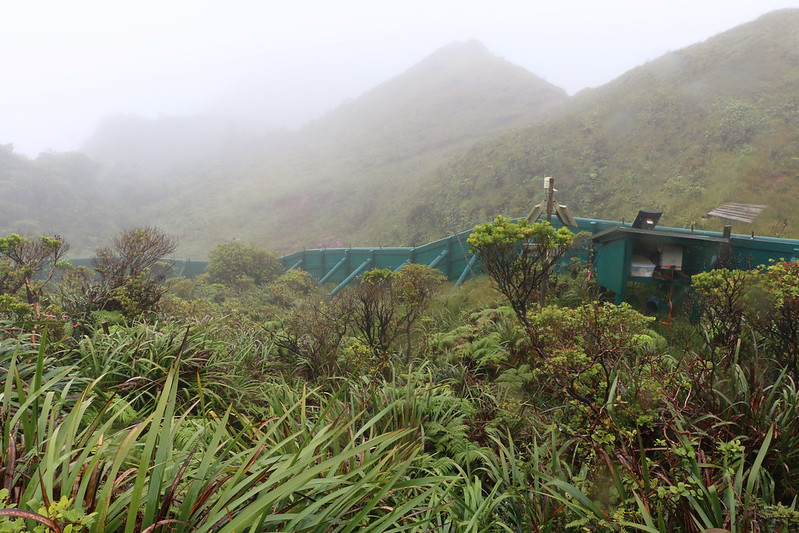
[70,462]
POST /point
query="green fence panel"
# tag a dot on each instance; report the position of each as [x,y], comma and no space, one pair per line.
[451,255]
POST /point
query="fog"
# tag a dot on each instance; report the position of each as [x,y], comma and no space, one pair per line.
[66,65]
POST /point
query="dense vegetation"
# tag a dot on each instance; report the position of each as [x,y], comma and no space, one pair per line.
[131,402]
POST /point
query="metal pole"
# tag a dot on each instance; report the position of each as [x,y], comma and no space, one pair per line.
[549,185]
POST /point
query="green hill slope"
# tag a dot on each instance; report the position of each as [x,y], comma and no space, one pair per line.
[319,185]
[454,140]
[713,123]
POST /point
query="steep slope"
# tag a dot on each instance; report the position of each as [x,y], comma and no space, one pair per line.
[449,143]
[460,93]
[328,179]
[712,123]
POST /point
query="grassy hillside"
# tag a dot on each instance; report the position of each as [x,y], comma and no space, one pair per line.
[425,154]
[319,184]
[712,123]
[451,142]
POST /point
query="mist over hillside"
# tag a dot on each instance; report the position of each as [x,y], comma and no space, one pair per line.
[55,194]
[713,123]
[451,142]
[154,147]
[314,185]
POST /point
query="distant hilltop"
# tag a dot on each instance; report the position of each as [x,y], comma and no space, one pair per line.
[452,141]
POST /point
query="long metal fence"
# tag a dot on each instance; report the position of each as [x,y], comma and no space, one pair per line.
[451,255]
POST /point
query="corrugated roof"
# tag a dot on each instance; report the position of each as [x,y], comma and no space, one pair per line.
[739,212]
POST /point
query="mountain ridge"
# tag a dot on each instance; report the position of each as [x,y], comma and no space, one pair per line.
[464,135]
[379,142]
[682,132]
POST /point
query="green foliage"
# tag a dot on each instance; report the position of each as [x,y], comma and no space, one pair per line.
[723,300]
[238,265]
[309,336]
[268,408]
[415,286]
[384,303]
[778,323]
[64,514]
[519,257]
[243,311]
[595,359]
[133,253]
[375,313]
[14,308]
[501,233]
[310,466]
[492,340]
[30,263]
[577,284]
[291,287]
[504,234]
[501,418]
[129,273]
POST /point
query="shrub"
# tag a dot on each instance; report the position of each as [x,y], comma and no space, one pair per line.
[519,257]
[723,304]
[129,277]
[780,323]
[238,265]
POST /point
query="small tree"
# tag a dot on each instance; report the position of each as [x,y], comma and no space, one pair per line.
[519,256]
[375,309]
[414,286]
[584,348]
[310,334]
[238,265]
[290,288]
[385,303]
[27,257]
[780,323]
[128,281]
[723,305]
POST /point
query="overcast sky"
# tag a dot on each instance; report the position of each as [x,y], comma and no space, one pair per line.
[68,63]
